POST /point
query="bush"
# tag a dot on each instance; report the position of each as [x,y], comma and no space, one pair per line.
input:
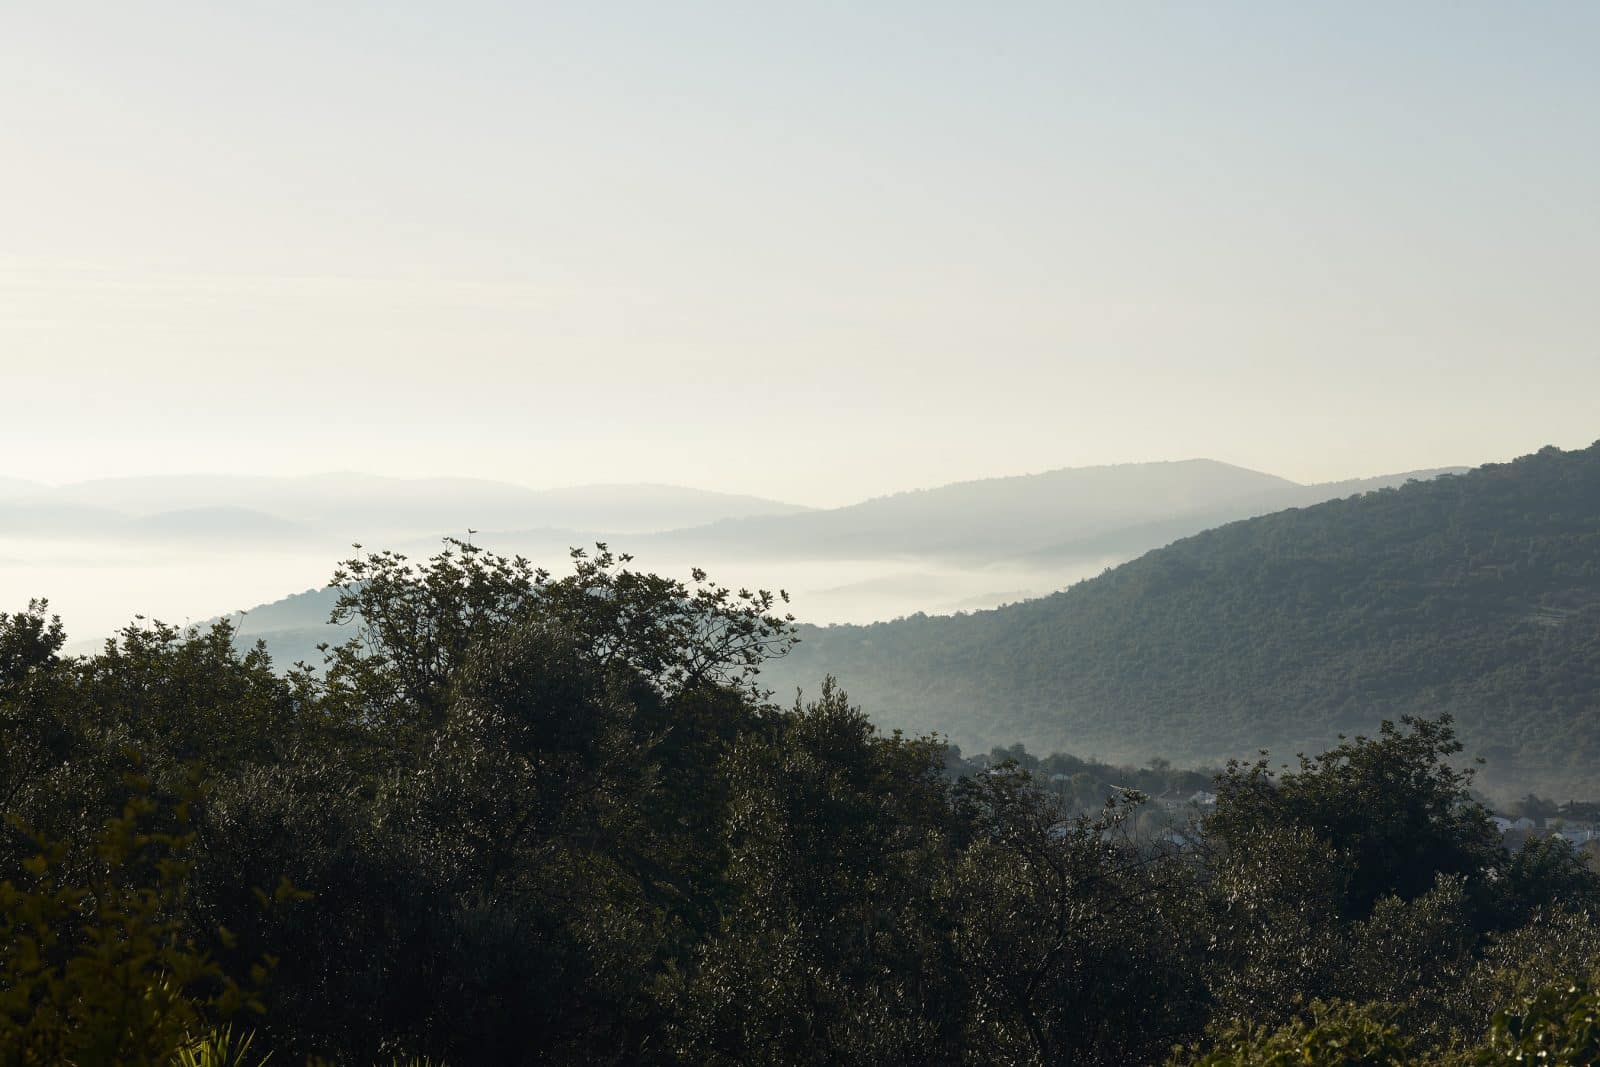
[97,966]
[1339,1034]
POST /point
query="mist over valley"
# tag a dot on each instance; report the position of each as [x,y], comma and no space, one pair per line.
[772,535]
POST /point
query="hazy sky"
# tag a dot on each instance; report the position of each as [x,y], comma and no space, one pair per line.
[807,250]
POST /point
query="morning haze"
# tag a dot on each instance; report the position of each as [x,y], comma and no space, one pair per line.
[777,534]
[818,254]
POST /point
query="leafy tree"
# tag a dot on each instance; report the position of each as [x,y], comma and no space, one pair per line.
[36,737]
[533,813]
[419,623]
[1558,1024]
[548,820]
[1079,947]
[1274,921]
[1337,1034]
[1510,966]
[30,646]
[833,946]
[1394,807]
[98,967]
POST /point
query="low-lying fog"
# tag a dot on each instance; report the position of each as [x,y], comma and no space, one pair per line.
[184,549]
[97,587]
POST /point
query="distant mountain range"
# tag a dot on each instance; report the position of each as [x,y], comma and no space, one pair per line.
[990,519]
[1279,629]
[1276,613]
[1120,510]
[1476,594]
[1025,528]
[346,506]
[1136,539]
[293,627]
[1034,521]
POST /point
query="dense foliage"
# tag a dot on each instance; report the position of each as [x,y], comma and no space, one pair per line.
[526,820]
[1476,595]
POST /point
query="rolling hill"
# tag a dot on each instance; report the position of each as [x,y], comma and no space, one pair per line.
[991,518]
[1135,540]
[424,506]
[191,547]
[213,525]
[292,627]
[970,544]
[1115,512]
[344,506]
[1476,594]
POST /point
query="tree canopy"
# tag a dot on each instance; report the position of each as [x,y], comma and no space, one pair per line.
[526,819]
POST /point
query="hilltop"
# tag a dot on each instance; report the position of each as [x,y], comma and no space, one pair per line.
[1476,594]
[1111,512]
[377,507]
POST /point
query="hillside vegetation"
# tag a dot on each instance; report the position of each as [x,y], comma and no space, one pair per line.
[525,820]
[1476,594]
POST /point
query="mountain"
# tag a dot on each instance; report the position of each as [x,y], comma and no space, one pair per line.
[981,522]
[214,525]
[989,519]
[46,517]
[623,509]
[1135,540]
[880,573]
[371,508]
[292,627]
[1104,513]
[1476,594]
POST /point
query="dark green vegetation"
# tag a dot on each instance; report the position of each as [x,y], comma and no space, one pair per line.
[1475,594]
[526,820]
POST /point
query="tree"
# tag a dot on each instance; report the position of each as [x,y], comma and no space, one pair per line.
[1078,946]
[1337,1034]
[35,735]
[98,968]
[1558,1024]
[832,946]
[1393,806]
[419,623]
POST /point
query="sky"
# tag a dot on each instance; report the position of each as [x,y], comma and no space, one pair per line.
[814,251]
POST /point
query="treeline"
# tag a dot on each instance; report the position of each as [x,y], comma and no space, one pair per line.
[525,820]
[1476,595]
[1086,784]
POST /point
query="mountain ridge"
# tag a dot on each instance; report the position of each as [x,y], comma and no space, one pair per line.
[962,519]
[1477,594]
[1014,517]
[376,507]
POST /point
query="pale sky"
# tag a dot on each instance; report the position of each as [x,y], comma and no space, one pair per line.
[812,251]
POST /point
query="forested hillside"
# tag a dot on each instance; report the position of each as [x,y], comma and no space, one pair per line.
[1476,594]
[525,820]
